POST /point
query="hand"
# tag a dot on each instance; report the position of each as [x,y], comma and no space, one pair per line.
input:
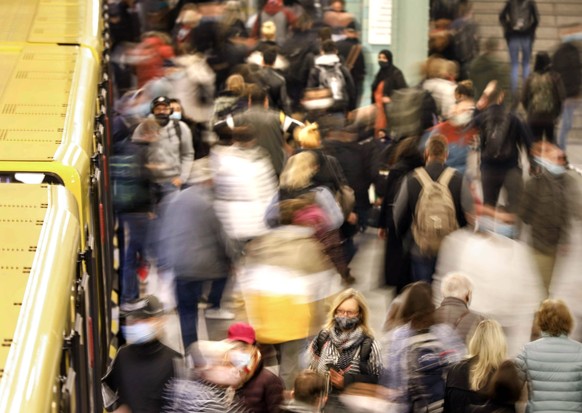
[382,233]
[352,218]
[386,99]
[337,379]
[177,182]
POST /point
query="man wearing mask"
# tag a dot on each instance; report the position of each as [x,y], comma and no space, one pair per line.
[141,369]
[170,154]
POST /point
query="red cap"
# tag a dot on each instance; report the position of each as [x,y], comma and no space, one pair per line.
[242,332]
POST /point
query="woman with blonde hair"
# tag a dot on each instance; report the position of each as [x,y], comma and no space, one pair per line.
[345,348]
[468,380]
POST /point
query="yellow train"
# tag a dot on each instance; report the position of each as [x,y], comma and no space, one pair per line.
[56,257]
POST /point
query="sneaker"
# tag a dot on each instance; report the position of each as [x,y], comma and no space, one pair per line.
[219,314]
[203,303]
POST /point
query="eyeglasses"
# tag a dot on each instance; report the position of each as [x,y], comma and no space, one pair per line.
[344,313]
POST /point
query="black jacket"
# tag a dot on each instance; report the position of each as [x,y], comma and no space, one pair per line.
[458,393]
[276,88]
[519,17]
[344,48]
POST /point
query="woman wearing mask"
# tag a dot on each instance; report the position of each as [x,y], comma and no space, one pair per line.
[468,380]
[388,79]
[345,348]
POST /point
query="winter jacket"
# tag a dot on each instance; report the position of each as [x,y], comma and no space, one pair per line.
[344,48]
[171,155]
[244,184]
[263,392]
[455,313]
[458,393]
[196,243]
[519,18]
[552,367]
[276,88]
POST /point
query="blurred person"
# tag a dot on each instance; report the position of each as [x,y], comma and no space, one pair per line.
[244,184]
[465,39]
[450,200]
[457,290]
[337,18]
[469,380]
[567,62]
[388,79]
[171,153]
[273,82]
[501,134]
[232,20]
[519,20]
[231,100]
[442,85]
[198,250]
[283,18]
[552,365]
[286,272]
[444,9]
[551,200]
[268,126]
[542,98]
[199,131]
[504,392]
[149,56]
[420,353]
[309,393]
[134,203]
[260,391]
[351,51]
[487,67]
[141,369]
[188,19]
[268,35]
[465,92]
[397,271]
[346,348]
[329,72]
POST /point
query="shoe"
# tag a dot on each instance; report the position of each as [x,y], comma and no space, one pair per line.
[219,314]
[203,303]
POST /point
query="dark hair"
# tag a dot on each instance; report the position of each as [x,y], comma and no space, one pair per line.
[243,133]
[308,386]
[324,34]
[328,47]
[505,384]
[303,23]
[257,94]
[437,146]
[543,62]
[417,306]
[465,88]
[269,56]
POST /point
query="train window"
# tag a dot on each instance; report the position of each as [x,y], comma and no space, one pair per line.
[30,178]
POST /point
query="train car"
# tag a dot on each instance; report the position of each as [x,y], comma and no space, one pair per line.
[54,134]
[44,342]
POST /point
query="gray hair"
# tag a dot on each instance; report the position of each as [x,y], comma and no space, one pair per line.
[456,285]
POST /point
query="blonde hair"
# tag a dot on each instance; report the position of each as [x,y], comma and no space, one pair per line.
[236,84]
[308,136]
[489,346]
[269,30]
[299,170]
[363,308]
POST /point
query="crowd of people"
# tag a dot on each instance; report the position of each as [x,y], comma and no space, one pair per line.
[244,156]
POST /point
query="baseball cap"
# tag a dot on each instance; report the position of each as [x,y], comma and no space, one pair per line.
[146,307]
[242,332]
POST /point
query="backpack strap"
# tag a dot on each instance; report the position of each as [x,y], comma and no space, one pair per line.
[423,177]
[178,129]
[446,176]
[353,56]
[365,351]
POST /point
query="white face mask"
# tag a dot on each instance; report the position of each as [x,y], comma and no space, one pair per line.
[239,359]
[176,115]
[223,376]
[461,119]
[139,333]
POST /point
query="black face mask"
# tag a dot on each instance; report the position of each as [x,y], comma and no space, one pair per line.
[162,118]
[347,323]
[384,65]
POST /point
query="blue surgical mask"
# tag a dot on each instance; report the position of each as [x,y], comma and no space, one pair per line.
[239,359]
[488,224]
[142,110]
[550,167]
[176,115]
[139,333]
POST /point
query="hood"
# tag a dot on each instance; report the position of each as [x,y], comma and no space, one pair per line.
[327,60]
[273,7]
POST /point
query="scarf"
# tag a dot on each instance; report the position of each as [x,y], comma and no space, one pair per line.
[346,343]
[385,72]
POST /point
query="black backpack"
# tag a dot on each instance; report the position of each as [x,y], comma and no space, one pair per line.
[495,145]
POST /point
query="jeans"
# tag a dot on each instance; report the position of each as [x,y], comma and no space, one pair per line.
[188,294]
[423,268]
[568,109]
[516,44]
[135,228]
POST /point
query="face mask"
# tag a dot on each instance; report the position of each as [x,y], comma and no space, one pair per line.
[488,224]
[176,115]
[239,359]
[550,167]
[461,119]
[347,323]
[139,333]
[383,65]
[162,118]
